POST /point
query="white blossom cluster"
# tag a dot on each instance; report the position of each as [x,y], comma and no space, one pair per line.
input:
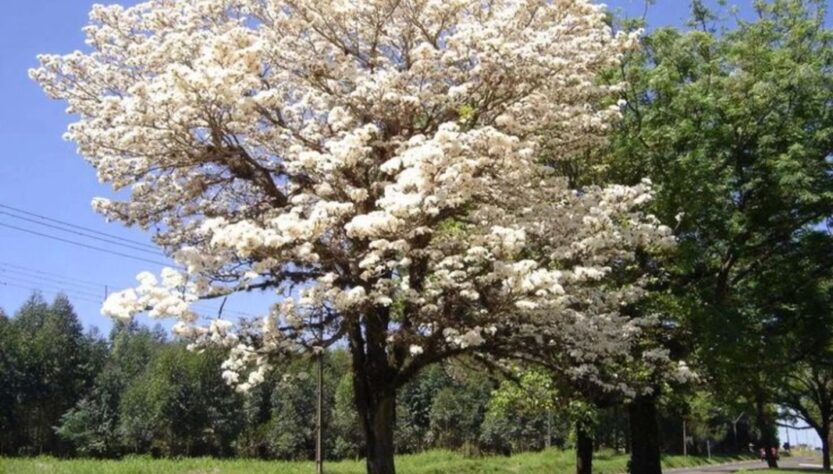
[374,162]
[172,296]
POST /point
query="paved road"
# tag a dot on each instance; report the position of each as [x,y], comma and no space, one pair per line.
[791,462]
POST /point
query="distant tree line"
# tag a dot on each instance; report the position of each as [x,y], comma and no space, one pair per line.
[69,393]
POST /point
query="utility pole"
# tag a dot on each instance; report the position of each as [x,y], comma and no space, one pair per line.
[735,430]
[319,446]
[685,440]
[548,442]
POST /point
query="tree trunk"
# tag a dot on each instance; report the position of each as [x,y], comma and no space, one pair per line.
[645,456]
[766,433]
[376,407]
[824,434]
[374,392]
[627,434]
[379,447]
[584,450]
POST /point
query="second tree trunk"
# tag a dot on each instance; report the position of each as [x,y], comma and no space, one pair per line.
[645,456]
[584,450]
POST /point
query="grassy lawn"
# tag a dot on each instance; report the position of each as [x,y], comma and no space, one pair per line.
[433,462]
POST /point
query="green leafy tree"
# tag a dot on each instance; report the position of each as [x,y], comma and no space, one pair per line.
[414,402]
[254,439]
[174,409]
[457,411]
[735,129]
[10,377]
[348,437]
[55,370]
[520,414]
[808,396]
[294,411]
[92,426]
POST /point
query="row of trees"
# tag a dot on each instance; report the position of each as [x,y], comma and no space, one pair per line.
[433,182]
[67,393]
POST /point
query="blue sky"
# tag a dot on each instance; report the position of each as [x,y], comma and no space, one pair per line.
[41,173]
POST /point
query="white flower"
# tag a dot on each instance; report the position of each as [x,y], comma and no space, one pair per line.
[231,377]
[121,305]
[404,184]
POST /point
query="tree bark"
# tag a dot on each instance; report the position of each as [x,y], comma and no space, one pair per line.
[823,428]
[627,434]
[379,437]
[766,433]
[584,450]
[376,405]
[374,392]
[644,430]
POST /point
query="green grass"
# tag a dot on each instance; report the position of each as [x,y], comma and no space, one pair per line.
[432,462]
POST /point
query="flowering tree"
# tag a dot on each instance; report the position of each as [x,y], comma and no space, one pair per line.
[375,163]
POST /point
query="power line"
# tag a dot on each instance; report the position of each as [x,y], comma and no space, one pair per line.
[28,272]
[20,282]
[17,279]
[27,286]
[84,234]
[58,275]
[226,310]
[80,244]
[75,226]
[53,292]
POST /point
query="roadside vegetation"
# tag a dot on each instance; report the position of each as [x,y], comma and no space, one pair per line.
[430,462]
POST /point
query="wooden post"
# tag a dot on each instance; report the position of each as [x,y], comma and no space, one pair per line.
[548,442]
[319,445]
